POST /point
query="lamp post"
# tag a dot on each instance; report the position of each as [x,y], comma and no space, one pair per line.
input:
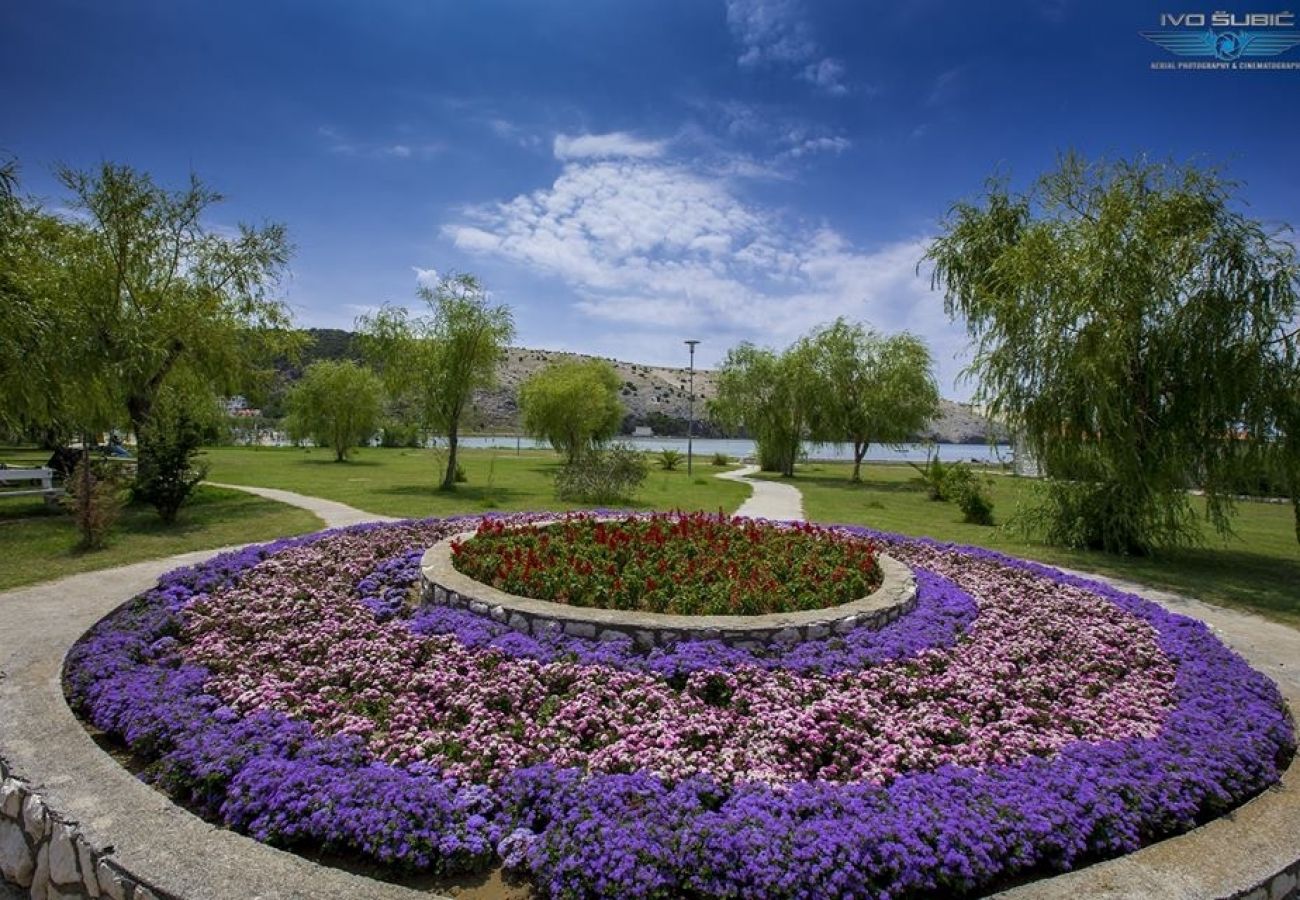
[690,416]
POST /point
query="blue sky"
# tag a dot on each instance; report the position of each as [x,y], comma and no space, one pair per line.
[624,173]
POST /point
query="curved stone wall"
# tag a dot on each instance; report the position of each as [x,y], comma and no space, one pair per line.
[442,585]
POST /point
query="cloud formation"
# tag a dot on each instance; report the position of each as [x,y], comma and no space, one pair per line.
[653,248]
[605,146]
[775,32]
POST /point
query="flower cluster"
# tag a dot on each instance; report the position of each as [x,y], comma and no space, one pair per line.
[680,563]
[1017,720]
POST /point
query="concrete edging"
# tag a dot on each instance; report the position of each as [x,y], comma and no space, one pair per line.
[441,584]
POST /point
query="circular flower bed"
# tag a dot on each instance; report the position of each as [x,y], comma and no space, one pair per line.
[1016,721]
[677,563]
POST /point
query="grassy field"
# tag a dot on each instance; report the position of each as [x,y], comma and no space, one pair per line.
[37,544]
[405,482]
[1258,569]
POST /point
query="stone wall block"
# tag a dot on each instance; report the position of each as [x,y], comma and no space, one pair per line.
[11,798]
[41,877]
[35,820]
[86,861]
[16,861]
[111,884]
[63,855]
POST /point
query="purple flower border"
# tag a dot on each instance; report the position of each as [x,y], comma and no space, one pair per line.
[948,831]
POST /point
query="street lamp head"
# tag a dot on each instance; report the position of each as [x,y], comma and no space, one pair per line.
[692,344]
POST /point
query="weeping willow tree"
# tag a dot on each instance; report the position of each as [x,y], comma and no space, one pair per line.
[767,394]
[1135,327]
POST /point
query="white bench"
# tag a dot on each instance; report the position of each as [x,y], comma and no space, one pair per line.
[42,477]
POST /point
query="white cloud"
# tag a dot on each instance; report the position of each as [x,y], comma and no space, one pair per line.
[652,248]
[775,32]
[827,74]
[770,31]
[605,146]
[804,146]
[336,142]
[425,277]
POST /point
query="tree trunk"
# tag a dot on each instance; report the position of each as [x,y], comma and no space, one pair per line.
[449,480]
[859,451]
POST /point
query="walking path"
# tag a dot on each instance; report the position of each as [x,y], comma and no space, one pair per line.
[184,856]
[769,500]
[331,512]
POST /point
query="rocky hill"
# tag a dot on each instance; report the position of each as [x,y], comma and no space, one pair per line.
[654,395]
[649,390]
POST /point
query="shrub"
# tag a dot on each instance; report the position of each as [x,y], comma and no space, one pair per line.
[933,476]
[669,459]
[95,498]
[965,488]
[169,469]
[395,433]
[610,475]
[721,459]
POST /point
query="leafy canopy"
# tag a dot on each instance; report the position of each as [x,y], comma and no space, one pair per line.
[442,358]
[766,393]
[574,404]
[337,404]
[873,388]
[1131,324]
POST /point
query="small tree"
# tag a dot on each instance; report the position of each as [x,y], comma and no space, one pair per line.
[441,359]
[872,388]
[168,466]
[605,475]
[1133,326]
[574,404]
[337,404]
[95,498]
[767,394]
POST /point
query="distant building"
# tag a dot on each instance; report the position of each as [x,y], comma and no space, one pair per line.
[643,431]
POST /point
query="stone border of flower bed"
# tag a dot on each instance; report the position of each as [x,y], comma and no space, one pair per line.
[442,585]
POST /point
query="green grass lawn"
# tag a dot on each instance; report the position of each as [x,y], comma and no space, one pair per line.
[405,482]
[1258,569]
[37,544]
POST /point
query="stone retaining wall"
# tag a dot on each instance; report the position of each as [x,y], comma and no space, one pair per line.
[442,585]
[49,857]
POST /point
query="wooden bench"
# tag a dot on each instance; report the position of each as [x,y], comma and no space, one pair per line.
[42,477]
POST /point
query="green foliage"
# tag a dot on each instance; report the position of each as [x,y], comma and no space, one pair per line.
[336,404]
[767,394]
[1133,327]
[971,493]
[104,312]
[872,388]
[441,359]
[161,293]
[669,459]
[168,466]
[933,477]
[721,459]
[95,497]
[604,476]
[574,404]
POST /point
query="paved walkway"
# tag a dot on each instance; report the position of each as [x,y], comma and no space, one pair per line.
[770,499]
[332,513]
